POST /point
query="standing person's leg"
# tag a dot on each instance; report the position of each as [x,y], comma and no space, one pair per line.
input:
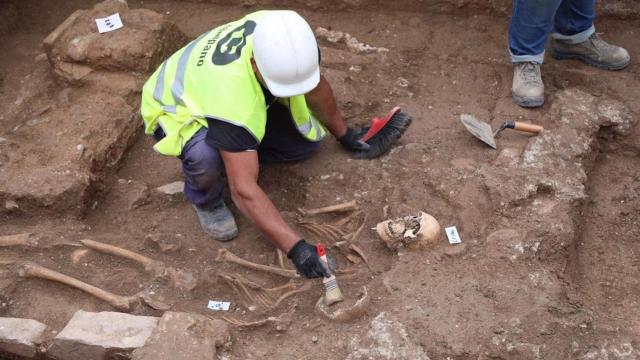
[282,142]
[531,22]
[204,184]
[575,37]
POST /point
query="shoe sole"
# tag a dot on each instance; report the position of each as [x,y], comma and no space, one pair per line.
[570,56]
[528,101]
[223,237]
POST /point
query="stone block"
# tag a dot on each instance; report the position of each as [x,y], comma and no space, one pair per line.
[76,49]
[184,336]
[101,336]
[20,336]
[58,161]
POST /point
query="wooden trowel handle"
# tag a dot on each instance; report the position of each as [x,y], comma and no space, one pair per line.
[530,128]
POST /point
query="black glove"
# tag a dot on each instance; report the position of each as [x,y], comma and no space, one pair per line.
[351,139]
[307,262]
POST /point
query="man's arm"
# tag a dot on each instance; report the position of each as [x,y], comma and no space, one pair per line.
[323,105]
[242,173]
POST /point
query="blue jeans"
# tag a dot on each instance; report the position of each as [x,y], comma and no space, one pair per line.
[203,168]
[532,20]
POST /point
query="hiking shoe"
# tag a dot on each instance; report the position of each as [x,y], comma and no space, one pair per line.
[594,51]
[218,222]
[527,89]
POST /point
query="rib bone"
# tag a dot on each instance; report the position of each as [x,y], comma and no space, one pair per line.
[225,255]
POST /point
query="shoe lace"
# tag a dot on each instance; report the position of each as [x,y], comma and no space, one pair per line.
[597,42]
[530,72]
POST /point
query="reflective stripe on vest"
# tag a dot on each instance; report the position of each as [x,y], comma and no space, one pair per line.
[212,77]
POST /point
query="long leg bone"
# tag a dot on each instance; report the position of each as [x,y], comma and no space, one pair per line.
[225,255]
[150,265]
[179,279]
[122,303]
[26,239]
[344,207]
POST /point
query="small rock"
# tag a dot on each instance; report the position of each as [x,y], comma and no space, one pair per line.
[455,250]
[314,339]
[184,336]
[11,205]
[94,335]
[163,242]
[20,336]
[173,188]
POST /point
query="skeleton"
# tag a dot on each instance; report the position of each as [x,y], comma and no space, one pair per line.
[358,310]
[179,279]
[261,298]
[122,303]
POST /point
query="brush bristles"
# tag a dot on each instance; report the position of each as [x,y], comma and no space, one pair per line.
[332,293]
[381,142]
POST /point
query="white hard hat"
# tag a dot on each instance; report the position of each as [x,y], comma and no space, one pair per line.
[286,53]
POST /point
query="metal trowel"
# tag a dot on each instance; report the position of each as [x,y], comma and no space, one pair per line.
[483,131]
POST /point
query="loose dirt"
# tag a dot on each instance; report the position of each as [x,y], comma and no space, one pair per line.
[549,262]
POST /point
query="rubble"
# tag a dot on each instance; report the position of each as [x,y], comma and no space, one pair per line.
[386,339]
[184,336]
[76,49]
[98,336]
[21,336]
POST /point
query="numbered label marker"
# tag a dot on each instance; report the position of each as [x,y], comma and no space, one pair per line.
[452,235]
[219,305]
[110,23]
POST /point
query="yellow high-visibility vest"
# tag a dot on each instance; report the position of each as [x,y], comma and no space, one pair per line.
[212,77]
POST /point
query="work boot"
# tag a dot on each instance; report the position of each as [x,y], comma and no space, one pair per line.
[593,51]
[217,222]
[527,89]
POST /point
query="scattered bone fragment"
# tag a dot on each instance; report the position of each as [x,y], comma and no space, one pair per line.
[351,42]
[343,207]
[346,314]
[225,255]
[77,255]
[280,258]
[25,239]
[421,230]
[164,243]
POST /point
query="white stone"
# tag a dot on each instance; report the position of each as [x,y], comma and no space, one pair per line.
[386,339]
[93,336]
[172,188]
[20,336]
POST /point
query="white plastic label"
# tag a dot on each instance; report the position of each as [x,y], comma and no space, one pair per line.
[452,235]
[219,305]
[110,23]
